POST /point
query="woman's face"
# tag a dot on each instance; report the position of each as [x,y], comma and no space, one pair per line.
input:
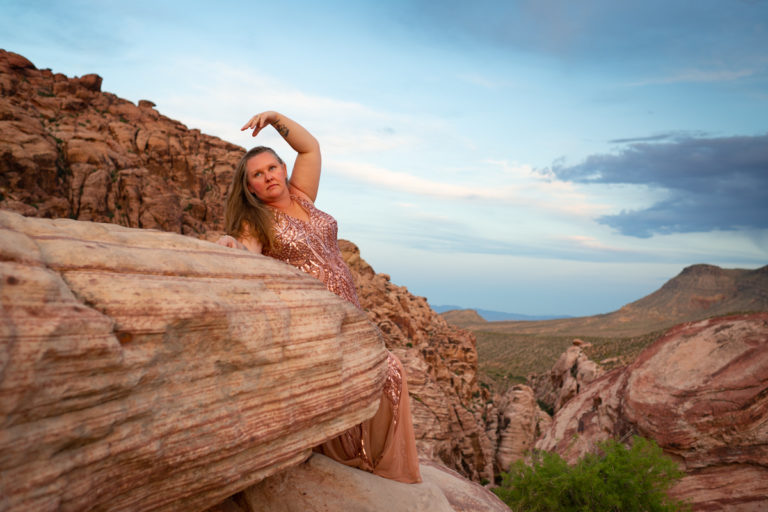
[266,177]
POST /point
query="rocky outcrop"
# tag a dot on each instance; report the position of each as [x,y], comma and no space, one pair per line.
[465,318]
[320,485]
[67,149]
[514,423]
[701,392]
[446,401]
[146,370]
[570,374]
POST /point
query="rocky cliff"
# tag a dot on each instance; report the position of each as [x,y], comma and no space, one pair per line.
[701,392]
[142,370]
[67,149]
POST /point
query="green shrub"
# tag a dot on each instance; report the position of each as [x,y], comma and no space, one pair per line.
[616,479]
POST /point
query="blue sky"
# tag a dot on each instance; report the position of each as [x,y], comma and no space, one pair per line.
[537,157]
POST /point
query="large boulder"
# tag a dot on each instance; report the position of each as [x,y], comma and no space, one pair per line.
[146,370]
[569,375]
[515,421]
[701,392]
[320,485]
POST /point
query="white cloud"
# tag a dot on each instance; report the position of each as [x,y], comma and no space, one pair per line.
[696,76]
[554,196]
[588,242]
[230,95]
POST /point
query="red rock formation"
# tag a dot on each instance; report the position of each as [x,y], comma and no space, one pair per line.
[69,150]
[570,374]
[701,391]
[142,370]
[514,423]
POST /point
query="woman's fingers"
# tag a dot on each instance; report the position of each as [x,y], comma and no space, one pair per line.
[255,122]
[227,241]
[259,121]
[231,242]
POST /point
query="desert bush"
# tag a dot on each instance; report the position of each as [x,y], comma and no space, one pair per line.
[615,479]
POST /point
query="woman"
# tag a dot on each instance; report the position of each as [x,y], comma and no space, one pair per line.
[268,213]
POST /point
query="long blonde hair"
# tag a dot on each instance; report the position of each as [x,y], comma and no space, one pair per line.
[245,215]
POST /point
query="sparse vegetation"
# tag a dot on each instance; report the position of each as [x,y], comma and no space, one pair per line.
[508,358]
[616,478]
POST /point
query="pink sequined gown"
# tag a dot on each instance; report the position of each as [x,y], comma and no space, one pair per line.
[384,445]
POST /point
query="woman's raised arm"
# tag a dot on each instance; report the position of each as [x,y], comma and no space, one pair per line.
[305,175]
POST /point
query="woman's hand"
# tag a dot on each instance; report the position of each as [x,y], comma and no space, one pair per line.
[305,176]
[259,121]
[231,242]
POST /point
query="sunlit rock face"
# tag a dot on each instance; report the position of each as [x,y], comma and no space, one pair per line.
[68,149]
[147,370]
[518,423]
[569,375]
[701,391]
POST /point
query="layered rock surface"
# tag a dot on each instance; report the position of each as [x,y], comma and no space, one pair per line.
[570,374]
[147,370]
[514,423]
[701,392]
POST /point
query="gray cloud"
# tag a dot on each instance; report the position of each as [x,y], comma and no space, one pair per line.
[712,183]
[660,137]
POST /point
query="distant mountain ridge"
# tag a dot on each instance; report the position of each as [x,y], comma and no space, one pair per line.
[495,316]
[699,291]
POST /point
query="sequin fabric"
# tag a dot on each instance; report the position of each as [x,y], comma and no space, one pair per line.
[314,248]
[352,441]
[393,386]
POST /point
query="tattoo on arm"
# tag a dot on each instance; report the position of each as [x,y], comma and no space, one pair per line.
[281,128]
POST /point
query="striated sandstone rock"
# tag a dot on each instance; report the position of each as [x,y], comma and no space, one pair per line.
[441,360]
[519,422]
[321,484]
[701,391]
[570,374]
[142,370]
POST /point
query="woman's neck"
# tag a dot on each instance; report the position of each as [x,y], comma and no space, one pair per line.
[282,203]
